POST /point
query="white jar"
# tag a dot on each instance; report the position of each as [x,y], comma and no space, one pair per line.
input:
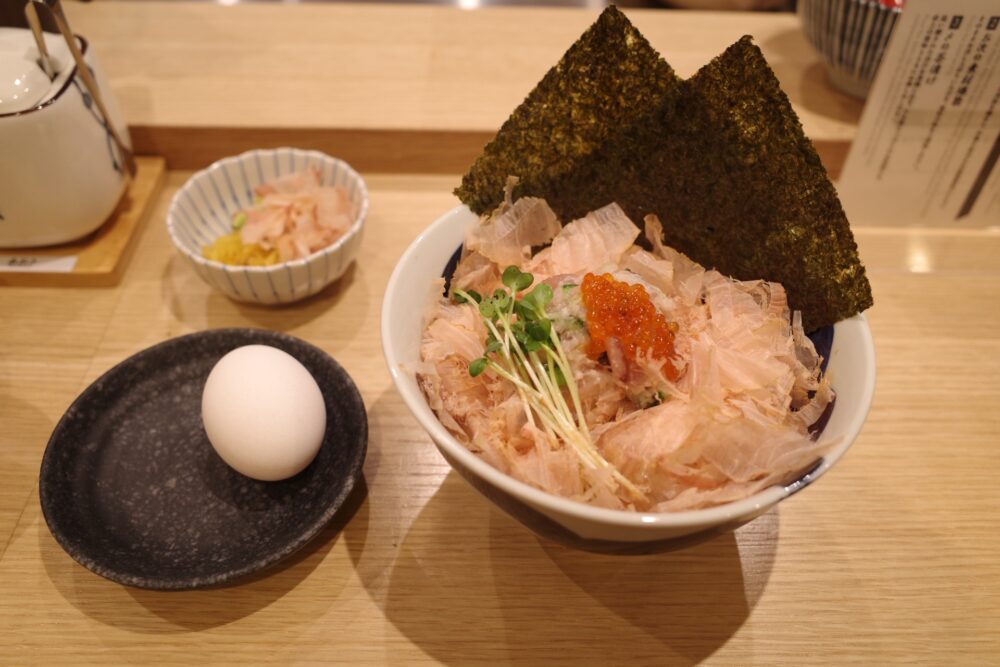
[61,174]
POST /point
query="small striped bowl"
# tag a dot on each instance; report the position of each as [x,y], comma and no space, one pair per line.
[203,208]
[852,36]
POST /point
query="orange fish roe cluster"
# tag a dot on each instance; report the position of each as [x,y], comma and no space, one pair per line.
[623,311]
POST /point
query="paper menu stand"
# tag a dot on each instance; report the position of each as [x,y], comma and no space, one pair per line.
[927,152]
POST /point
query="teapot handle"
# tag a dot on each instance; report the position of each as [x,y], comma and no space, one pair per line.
[35,23]
[55,9]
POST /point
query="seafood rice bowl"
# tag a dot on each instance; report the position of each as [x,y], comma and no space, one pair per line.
[612,396]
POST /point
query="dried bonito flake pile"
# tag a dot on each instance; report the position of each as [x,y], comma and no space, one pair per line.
[512,366]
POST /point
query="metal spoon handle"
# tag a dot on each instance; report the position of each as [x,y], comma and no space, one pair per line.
[44,59]
[55,7]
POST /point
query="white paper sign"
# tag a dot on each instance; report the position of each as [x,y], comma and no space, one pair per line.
[36,263]
[927,151]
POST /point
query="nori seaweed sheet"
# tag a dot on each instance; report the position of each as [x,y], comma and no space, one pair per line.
[739,187]
[722,159]
[606,80]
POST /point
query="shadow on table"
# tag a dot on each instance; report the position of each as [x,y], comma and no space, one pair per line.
[166,612]
[814,90]
[179,282]
[469,584]
[20,459]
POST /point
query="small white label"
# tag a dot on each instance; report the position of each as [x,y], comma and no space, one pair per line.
[928,146]
[37,264]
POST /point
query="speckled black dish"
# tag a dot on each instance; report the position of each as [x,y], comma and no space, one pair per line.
[132,489]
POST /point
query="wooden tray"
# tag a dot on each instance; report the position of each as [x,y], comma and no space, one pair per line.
[98,259]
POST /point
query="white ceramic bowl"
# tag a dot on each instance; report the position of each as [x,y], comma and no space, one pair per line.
[851,370]
[202,211]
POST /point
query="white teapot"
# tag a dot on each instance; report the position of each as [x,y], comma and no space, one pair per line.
[61,172]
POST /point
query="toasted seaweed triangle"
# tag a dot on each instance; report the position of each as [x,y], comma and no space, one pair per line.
[721,158]
[727,168]
[608,79]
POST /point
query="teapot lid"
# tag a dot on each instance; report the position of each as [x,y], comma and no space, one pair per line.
[23,84]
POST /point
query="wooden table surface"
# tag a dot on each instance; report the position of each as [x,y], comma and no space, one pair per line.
[891,558]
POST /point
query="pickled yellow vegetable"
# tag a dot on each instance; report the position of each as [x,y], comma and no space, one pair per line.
[230,249]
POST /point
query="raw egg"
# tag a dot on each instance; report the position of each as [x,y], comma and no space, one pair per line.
[263,412]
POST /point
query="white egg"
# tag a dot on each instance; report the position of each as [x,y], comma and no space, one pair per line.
[263,412]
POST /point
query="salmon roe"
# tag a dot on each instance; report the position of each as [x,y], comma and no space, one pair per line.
[623,311]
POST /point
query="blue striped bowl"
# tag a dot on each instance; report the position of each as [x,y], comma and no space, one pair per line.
[203,208]
[852,36]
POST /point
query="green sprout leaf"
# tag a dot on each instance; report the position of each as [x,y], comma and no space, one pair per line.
[510,276]
[542,296]
[464,297]
[516,279]
[540,329]
[536,300]
[477,366]
[560,378]
[521,335]
[524,311]
[502,299]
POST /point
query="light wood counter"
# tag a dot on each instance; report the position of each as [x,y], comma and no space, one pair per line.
[891,558]
[391,86]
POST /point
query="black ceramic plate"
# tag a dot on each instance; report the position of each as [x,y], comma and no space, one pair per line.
[132,489]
